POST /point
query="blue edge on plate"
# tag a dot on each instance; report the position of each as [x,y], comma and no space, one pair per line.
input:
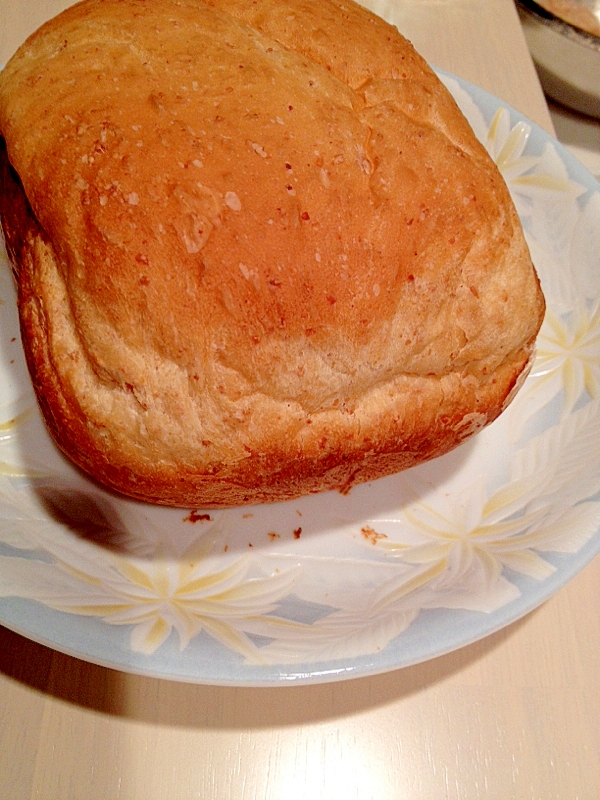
[435,633]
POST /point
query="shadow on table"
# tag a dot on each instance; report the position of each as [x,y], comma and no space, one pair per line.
[161,702]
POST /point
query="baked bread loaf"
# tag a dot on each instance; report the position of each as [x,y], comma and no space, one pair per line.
[260,252]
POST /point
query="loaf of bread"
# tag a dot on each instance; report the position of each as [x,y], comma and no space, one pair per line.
[259,251]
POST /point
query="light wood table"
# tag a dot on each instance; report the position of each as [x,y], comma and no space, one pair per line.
[516,715]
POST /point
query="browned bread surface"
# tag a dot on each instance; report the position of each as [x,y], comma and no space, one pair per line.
[262,253]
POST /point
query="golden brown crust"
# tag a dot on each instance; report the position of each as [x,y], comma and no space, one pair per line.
[262,253]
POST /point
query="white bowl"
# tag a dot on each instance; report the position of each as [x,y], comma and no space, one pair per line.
[567,57]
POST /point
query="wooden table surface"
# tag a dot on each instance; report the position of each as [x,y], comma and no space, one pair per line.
[516,715]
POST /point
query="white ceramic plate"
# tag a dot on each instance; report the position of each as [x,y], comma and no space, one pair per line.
[398,571]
